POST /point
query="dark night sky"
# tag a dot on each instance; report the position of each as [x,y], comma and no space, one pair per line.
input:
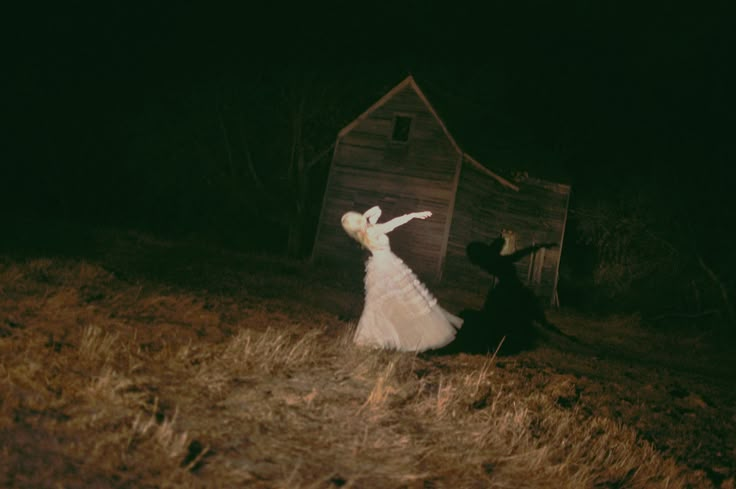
[593,93]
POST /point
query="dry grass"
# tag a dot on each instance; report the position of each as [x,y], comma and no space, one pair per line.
[110,383]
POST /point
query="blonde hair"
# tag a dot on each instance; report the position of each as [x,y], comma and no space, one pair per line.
[356,225]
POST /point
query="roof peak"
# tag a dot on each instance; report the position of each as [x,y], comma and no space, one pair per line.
[409,81]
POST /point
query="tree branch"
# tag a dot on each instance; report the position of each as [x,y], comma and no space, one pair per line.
[724,290]
[249,157]
[696,315]
[314,161]
[226,138]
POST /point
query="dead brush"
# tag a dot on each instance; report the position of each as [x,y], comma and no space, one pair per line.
[383,389]
[440,397]
[23,386]
[97,345]
[172,443]
[87,413]
[87,273]
[272,350]
[181,309]
[34,276]
[477,382]
[452,394]
[139,445]
[39,268]
[287,401]
[251,353]
[11,276]
[112,387]
[529,438]
[612,452]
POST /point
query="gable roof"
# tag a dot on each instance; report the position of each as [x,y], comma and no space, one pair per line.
[410,82]
[488,172]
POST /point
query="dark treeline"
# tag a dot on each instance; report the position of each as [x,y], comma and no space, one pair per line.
[208,122]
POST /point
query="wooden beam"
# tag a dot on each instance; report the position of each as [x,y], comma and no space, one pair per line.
[555,297]
[450,215]
[373,107]
[488,172]
[408,81]
[434,113]
[319,156]
[324,200]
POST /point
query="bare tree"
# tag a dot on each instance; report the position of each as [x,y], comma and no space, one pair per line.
[247,148]
[646,246]
[305,113]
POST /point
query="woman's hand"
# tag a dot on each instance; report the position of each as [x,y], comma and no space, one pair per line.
[422,215]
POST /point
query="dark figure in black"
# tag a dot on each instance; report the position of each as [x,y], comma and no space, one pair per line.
[511,311]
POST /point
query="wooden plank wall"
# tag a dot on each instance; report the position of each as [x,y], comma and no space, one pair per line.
[369,169]
[484,207]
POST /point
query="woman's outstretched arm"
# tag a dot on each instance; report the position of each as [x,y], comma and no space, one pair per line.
[389,226]
[373,214]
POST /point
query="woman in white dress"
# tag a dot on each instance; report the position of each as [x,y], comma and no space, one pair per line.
[399,312]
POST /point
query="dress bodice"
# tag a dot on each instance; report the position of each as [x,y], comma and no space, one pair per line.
[376,241]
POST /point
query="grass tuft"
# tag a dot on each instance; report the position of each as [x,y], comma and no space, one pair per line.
[105,383]
[97,345]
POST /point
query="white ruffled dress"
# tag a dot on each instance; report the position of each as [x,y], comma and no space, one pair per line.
[399,312]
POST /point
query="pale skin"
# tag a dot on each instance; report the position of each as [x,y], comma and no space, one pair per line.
[373,213]
[361,226]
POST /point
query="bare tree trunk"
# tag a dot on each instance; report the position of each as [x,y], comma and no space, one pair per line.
[297,183]
[228,146]
[727,305]
[249,163]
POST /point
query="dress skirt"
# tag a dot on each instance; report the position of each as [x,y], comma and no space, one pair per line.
[399,312]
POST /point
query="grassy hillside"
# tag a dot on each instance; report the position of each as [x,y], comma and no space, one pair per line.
[147,363]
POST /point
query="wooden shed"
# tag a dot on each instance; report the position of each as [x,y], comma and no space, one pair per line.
[399,155]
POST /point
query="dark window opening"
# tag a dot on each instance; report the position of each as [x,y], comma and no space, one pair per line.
[402,125]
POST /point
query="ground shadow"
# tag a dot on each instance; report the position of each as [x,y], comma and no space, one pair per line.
[511,312]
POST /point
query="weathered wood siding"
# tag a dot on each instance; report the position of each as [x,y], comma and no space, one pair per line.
[484,207]
[369,169]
